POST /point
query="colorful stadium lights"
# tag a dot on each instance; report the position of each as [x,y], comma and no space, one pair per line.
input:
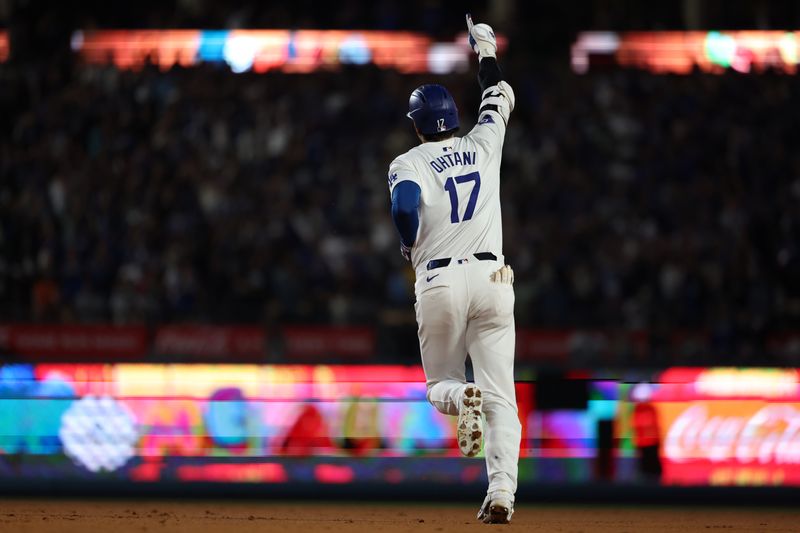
[676,52]
[303,51]
[260,51]
[287,423]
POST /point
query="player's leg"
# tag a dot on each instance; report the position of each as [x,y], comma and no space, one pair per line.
[441,321]
[490,341]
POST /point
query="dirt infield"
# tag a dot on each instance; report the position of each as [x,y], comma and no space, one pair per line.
[124,516]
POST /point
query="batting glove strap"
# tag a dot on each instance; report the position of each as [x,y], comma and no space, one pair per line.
[500,95]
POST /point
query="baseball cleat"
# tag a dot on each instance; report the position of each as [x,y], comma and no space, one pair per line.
[470,423]
[497,508]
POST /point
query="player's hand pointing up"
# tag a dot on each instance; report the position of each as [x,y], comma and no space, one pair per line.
[481,39]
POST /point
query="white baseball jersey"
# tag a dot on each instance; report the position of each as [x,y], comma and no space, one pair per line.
[459,179]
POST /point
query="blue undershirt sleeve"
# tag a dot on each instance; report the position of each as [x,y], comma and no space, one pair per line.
[405,203]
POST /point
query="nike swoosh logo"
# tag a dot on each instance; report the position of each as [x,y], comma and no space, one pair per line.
[431,277]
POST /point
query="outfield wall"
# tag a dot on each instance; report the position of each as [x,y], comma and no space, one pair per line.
[141,425]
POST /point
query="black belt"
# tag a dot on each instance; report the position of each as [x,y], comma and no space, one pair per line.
[480,256]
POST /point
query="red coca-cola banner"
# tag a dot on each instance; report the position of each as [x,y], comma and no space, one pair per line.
[729,426]
[74,342]
[325,342]
[731,443]
[210,342]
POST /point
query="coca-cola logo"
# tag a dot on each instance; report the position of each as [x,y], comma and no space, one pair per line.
[770,434]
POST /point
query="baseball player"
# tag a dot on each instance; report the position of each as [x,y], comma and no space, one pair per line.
[446,206]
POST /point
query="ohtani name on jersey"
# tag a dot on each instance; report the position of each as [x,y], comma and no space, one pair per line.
[455,159]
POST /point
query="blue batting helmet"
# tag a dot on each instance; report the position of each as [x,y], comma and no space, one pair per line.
[432,109]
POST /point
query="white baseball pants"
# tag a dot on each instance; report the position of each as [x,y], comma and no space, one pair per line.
[461,311]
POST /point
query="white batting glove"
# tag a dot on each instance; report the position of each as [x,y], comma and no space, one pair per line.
[504,275]
[481,39]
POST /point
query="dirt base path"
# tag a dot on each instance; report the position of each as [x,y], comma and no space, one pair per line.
[140,516]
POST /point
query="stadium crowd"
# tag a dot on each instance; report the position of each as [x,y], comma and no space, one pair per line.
[630,200]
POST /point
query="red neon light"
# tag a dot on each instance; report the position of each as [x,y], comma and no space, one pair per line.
[677,52]
[4,46]
[234,473]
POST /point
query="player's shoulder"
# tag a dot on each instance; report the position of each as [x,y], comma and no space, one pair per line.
[405,167]
[400,160]
[411,158]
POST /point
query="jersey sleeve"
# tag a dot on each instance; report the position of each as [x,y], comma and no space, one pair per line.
[497,103]
[401,170]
